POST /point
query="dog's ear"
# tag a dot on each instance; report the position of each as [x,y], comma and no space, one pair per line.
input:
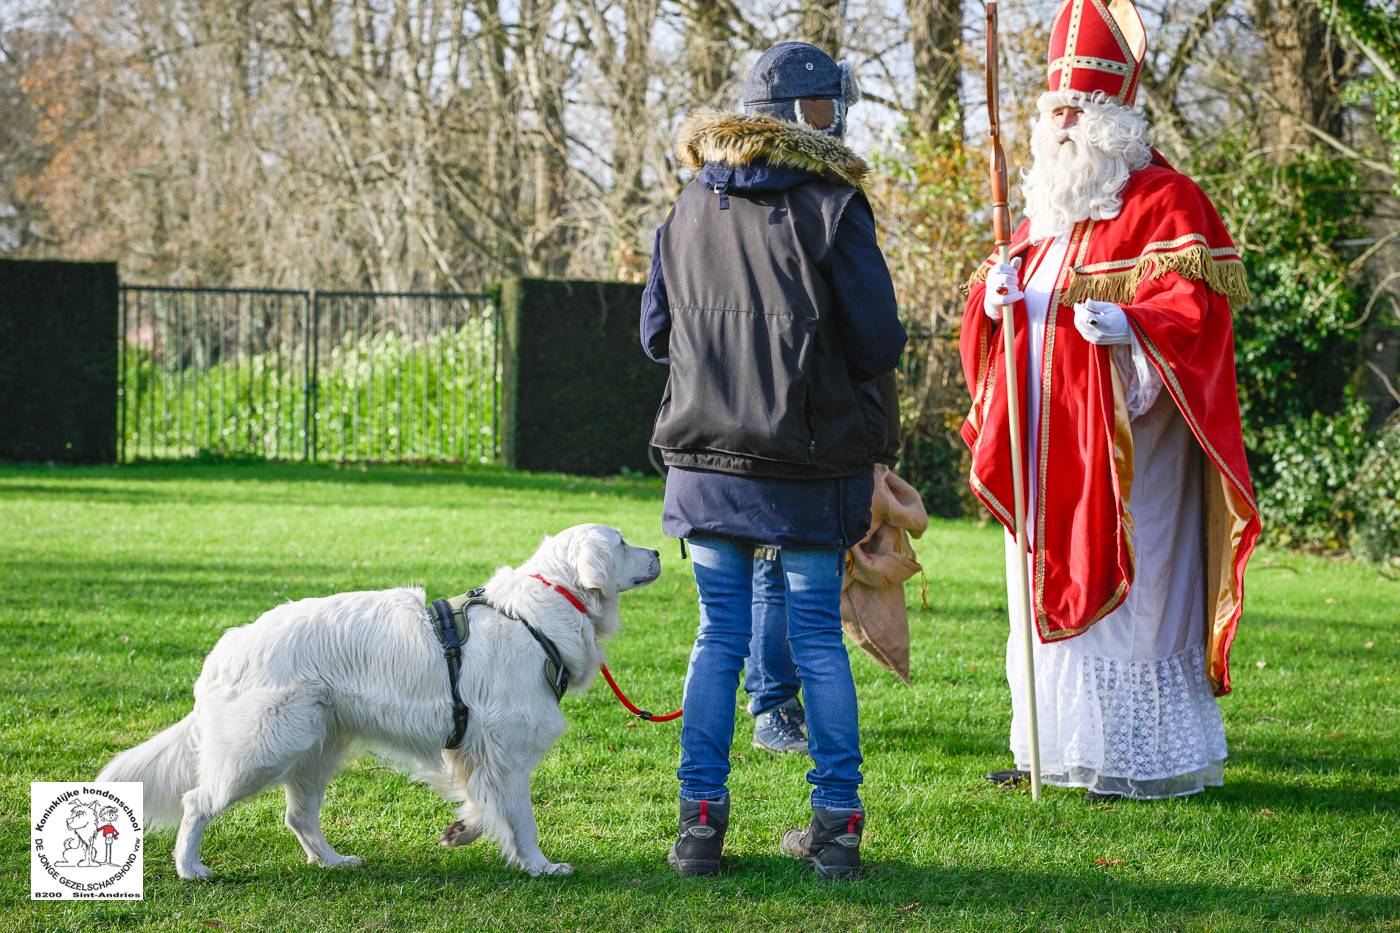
[594,565]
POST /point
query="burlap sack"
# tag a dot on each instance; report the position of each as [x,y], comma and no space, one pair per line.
[872,596]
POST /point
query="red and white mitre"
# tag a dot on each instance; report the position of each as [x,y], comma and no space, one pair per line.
[1097,46]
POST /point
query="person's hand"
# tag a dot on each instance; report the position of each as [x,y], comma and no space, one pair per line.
[1003,288]
[1102,323]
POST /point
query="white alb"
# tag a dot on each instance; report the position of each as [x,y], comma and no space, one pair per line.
[1126,707]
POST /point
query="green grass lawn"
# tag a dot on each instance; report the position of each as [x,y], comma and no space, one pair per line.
[115,582]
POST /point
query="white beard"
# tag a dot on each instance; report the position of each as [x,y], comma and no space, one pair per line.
[1079,173]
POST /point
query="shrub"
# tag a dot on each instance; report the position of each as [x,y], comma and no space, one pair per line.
[1298,347]
[58,377]
[1313,462]
[929,196]
[598,419]
[1375,498]
[1296,343]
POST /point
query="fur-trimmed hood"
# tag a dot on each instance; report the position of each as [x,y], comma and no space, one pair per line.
[738,140]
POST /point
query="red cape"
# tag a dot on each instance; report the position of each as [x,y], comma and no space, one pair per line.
[1169,262]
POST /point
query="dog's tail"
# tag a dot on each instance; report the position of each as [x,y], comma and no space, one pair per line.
[167,764]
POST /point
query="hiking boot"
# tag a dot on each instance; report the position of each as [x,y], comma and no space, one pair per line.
[831,844]
[780,729]
[701,842]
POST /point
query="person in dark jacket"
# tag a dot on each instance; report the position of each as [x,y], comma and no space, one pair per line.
[770,300]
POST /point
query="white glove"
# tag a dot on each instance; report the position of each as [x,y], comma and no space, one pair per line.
[1002,288]
[1102,323]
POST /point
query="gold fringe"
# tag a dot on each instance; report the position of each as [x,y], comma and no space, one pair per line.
[979,276]
[1195,263]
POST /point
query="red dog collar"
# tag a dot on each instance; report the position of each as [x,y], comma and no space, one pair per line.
[578,603]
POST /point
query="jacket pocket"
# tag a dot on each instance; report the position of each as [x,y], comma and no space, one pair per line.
[872,418]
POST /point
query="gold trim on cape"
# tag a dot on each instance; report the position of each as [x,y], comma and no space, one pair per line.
[1117,280]
[1079,240]
[1224,276]
[990,499]
[1123,461]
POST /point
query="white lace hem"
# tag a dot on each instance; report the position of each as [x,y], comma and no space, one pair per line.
[1180,785]
[1143,729]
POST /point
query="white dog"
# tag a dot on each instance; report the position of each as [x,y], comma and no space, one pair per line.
[279,700]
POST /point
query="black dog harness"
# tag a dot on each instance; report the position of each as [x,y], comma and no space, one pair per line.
[452,624]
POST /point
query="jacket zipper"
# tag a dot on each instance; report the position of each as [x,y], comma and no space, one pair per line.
[840,526]
[809,419]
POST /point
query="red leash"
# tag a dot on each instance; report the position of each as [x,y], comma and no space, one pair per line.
[607,675]
[641,713]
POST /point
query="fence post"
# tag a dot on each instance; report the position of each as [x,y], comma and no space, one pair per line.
[308,318]
[497,335]
[121,371]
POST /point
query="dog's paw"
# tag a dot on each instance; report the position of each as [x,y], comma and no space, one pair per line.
[552,868]
[342,861]
[459,834]
[196,872]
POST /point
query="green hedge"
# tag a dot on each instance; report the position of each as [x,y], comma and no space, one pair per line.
[578,393]
[58,375]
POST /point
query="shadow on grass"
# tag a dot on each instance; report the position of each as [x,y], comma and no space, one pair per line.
[1356,783]
[202,589]
[935,739]
[634,888]
[1254,795]
[353,475]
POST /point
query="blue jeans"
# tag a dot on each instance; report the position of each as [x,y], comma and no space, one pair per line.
[770,677]
[724,571]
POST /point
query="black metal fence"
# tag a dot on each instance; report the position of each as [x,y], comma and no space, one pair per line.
[308,375]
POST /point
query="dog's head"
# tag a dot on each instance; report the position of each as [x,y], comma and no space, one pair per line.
[81,818]
[595,562]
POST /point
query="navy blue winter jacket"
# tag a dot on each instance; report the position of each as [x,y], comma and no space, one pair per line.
[797,513]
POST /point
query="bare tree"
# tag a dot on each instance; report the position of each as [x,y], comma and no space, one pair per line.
[22,154]
[1303,69]
[936,34]
[821,23]
[712,47]
[449,143]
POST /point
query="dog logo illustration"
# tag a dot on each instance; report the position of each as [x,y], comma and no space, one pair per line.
[86,841]
[90,824]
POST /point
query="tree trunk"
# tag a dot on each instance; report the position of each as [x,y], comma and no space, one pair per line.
[821,25]
[1303,61]
[710,53]
[549,253]
[630,119]
[936,32]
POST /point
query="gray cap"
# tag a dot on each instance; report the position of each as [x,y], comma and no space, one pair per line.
[793,71]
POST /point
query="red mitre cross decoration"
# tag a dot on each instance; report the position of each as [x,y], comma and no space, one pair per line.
[1097,46]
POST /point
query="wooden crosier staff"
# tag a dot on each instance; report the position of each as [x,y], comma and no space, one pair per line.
[1001,228]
